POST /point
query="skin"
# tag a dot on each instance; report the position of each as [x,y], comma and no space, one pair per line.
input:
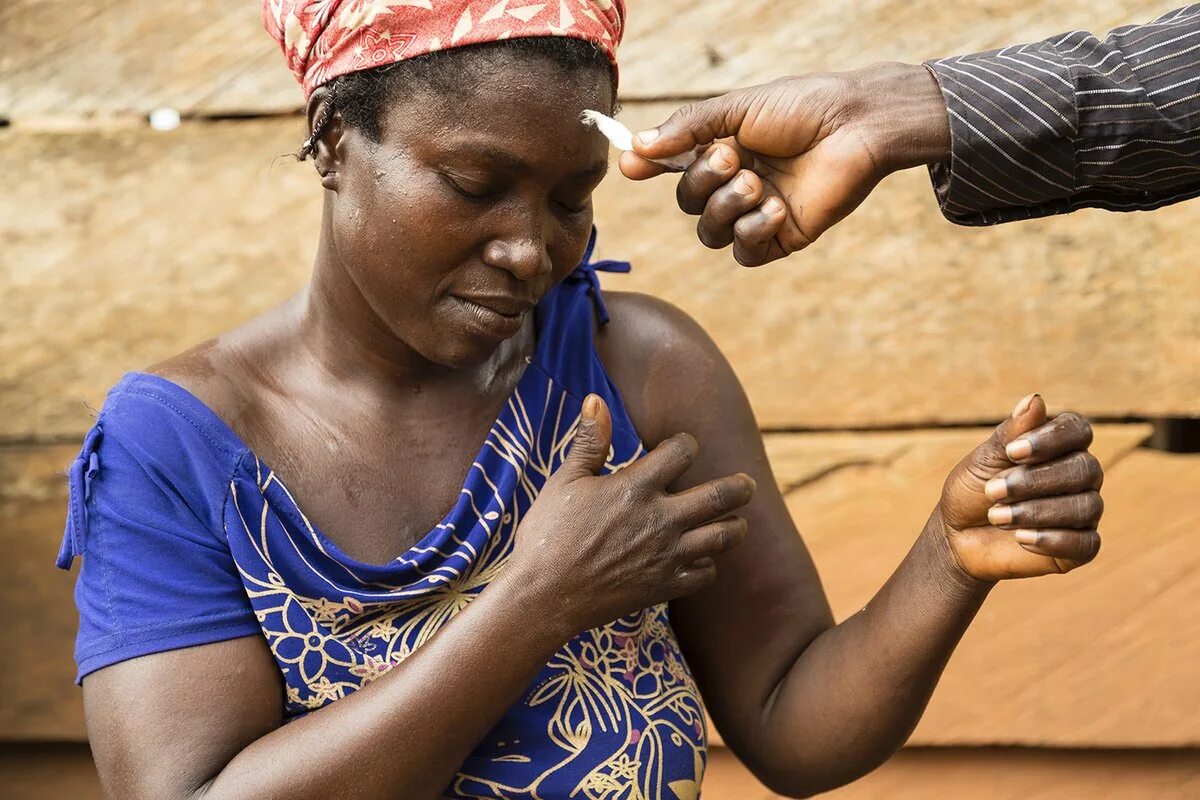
[379,359]
[790,159]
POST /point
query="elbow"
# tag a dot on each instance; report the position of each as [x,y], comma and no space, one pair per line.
[800,778]
[794,783]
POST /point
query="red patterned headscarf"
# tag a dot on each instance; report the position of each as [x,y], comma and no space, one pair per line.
[322,39]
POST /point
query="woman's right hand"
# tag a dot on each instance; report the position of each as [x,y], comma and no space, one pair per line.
[600,547]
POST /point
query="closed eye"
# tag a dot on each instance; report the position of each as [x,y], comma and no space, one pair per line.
[469,190]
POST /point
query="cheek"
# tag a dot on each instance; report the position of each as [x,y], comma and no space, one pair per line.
[567,249]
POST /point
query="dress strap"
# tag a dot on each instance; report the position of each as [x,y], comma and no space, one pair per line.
[587,269]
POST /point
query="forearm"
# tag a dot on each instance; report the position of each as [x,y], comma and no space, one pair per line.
[1072,122]
[857,691]
[407,733]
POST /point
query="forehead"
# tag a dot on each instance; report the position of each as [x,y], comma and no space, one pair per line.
[510,100]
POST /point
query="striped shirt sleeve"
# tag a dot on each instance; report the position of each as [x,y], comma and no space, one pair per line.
[1073,122]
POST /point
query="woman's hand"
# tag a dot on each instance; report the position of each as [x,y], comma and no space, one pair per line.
[1026,502]
[602,547]
[795,156]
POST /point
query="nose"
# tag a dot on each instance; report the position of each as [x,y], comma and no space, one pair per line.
[524,254]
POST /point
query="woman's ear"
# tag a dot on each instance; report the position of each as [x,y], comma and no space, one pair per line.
[325,142]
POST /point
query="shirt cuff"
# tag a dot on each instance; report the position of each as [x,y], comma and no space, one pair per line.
[1012,133]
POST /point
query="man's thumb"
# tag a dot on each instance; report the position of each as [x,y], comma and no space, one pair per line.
[692,125]
[593,438]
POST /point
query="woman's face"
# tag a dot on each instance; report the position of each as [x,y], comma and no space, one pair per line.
[472,205]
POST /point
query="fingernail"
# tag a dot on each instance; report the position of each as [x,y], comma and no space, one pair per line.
[1000,515]
[996,489]
[591,407]
[1021,448]
[1024,405]
[719,160]
[743,186]
[773,205]
[646,137]
[1026,537]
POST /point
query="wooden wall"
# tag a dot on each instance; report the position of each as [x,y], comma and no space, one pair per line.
[869,359]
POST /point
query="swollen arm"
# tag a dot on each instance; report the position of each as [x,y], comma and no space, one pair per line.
[807,705]
[857,691]
[157,734]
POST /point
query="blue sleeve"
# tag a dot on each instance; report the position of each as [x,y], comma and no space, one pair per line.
[145,512]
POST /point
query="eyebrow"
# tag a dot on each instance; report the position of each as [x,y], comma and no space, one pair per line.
[506,159]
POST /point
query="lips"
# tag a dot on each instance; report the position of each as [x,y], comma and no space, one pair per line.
[490,315]
[504,305]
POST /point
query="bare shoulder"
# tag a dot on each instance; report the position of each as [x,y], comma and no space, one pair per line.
[224,372]
[671,374]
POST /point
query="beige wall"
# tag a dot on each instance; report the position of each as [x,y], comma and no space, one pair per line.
[120,245]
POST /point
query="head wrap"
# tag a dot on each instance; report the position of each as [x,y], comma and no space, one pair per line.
[322,39]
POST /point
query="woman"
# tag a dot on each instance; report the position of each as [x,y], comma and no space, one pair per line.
[264,520]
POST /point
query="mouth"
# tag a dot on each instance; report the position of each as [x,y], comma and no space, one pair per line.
[504,305]
[498,317]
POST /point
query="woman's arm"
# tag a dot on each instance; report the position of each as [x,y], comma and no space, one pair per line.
[204,722]
[807,705]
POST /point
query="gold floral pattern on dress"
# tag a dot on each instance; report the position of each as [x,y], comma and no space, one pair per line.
[614,715]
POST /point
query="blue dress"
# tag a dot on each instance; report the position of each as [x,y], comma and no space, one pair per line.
[188,538]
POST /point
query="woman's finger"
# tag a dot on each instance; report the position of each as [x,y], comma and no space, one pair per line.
[1061,435]
[712,170]
[1073,473]
[1069,549]
[712,539]
[726,205]
[1066,511]
[692,578]
[710,501]
[754,234]
[665,464]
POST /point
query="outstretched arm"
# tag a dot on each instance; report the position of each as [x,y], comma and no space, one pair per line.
[806,704]
[1022,132]
[1073,121]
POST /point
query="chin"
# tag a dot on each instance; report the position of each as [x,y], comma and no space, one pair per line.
[462,350]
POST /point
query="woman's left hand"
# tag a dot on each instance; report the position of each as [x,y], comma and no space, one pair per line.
[1027,501]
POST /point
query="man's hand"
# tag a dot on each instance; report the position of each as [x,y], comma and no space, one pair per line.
[791,158]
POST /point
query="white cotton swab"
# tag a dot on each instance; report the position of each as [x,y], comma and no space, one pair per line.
[622,138]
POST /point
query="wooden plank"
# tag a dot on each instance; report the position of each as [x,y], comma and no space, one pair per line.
[1098,658]
[212,56]
[994,774]
[37,682]
[38,771]
[133,245]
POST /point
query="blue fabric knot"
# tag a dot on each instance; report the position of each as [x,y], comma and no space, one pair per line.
[587,270]
[93,469]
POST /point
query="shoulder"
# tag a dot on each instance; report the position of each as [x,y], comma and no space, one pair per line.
[232,375]
[672,375]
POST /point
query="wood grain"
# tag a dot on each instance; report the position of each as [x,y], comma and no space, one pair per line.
[132,245]
[39,771]
[93,59]
[1098,658]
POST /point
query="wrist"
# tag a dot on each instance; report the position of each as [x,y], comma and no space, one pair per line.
[947,569]
[532,598]
[903,114]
